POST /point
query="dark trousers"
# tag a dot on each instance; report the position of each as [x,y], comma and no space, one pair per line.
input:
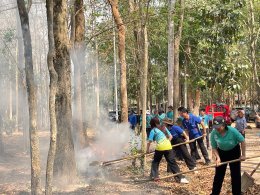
[148,130]
[193,148]
[168,154]
[207,137]
[191,164]
[235,169]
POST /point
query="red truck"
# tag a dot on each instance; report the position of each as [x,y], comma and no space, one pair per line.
[215,110]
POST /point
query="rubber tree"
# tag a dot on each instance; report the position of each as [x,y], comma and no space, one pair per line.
[32,101]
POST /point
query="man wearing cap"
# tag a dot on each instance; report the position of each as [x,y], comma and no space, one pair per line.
[225,142]
[190,122]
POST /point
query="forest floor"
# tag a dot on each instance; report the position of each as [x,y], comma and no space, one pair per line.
[118,178]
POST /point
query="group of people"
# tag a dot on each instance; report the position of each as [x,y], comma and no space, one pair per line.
[226,143]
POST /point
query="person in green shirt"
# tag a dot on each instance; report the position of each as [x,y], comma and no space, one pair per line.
[225,142]
[169,114]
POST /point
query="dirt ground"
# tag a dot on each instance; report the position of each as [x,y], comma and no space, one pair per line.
[118,178]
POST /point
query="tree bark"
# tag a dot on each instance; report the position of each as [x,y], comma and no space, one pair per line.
[31,89]
[52,95]
[171,4]
[122,60]
[176,80]
[136,31]
[78,58]
[64,163]
[2,150]
[197,102]
[144,72]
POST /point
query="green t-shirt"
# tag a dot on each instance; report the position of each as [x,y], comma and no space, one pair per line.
[228,141]
[170,115]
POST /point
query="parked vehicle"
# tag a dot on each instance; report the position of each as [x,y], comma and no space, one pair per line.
[250,114]
[215,110]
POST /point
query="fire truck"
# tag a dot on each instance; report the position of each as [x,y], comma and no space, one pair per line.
[215,110]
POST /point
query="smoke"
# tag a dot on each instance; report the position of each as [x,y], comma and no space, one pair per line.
[107,140]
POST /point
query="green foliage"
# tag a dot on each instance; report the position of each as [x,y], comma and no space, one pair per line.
[214,29]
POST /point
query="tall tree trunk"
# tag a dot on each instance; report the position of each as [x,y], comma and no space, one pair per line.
[253,37]
[190,100]
[188,52]
[52,95]
[2,150]
[122,60]
[134,8]
[31,89]
[78,57]
[64,163]
[171,5]
[197,102]
[97,83]
[144,72]
[20,62]
[176,80]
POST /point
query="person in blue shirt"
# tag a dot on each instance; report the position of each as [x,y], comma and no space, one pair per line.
[205,118]
[241,124]
[190,123]
[162,137]
[179,122]
[179,136]
[132,120]
[227,144]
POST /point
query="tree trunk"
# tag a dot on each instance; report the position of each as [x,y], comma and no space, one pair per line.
[64,163]
[176,80]
[197,102]
[133,8]
[190,100]
[144,72]
[122,60]
[188,52]
[20,62]
[171,5]
[52,94]
[31,89]
[253,37]
[2,150]
[78,57]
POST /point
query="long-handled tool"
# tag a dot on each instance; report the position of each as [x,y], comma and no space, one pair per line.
[106,163]
[198,169]
[247,179]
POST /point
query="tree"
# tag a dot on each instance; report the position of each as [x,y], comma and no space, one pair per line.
[31,89]
[170,50]
[64,163]
[52,95]
[78,57]
[176,69]
[122,60]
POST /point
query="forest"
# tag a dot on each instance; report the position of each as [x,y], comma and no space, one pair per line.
[75,72]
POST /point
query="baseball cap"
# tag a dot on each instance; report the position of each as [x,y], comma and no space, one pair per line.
[218,122]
